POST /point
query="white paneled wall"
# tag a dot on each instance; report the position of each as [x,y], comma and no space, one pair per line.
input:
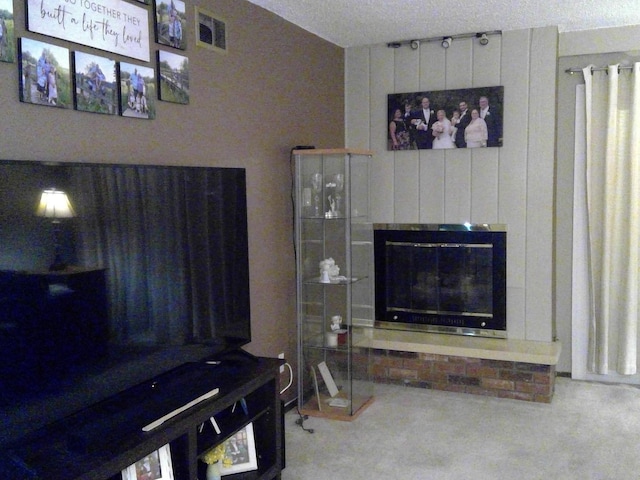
[511,185]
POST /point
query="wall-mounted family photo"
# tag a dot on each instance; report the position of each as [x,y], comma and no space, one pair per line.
[171,20]
[45,74]
[7,50]
[95,88]
[173,77]
[92,83]
[138,91]
[463,118]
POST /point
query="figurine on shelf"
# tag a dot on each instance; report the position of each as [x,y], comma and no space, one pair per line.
[337,332]
[331,211]
[328,270]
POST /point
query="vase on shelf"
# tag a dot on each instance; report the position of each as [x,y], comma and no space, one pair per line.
[213,471]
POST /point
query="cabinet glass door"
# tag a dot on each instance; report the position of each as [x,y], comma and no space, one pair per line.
[334,245]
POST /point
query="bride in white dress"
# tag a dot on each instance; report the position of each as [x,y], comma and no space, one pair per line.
[442,130]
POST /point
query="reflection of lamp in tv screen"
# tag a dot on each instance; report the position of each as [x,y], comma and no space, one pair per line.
[55,204]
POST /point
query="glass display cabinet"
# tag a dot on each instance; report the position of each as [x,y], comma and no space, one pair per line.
[334,257]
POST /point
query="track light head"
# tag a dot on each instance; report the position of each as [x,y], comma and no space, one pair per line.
[483,39]
[415,44]
[446,42]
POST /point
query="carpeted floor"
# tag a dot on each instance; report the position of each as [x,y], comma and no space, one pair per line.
[589,431]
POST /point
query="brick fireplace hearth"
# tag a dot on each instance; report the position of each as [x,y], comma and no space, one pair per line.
[516,369]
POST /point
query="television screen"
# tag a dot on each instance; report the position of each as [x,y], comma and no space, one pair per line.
[111,274]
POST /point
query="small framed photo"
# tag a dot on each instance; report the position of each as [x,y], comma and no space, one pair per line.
[173,77]
[211,31]
[96,89]
[155,466]
[240,452]
[138,91]
[7,49]
[171,23]
[45,74]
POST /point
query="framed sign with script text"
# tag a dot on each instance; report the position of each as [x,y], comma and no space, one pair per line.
[115,26]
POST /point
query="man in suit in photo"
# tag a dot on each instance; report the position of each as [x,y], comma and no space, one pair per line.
[422,121]
[463,121]
[493,121]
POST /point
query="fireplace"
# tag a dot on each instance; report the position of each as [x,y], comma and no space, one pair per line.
[441,278]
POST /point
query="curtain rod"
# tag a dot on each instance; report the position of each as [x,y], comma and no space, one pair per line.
[574,70]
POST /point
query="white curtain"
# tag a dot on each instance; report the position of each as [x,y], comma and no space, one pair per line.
[613,216]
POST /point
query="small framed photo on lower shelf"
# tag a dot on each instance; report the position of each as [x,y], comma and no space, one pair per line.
[155,466]
[240,452]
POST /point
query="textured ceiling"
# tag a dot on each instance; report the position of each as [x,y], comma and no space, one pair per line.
[350,23]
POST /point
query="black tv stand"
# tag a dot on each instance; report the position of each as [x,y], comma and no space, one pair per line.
[237,357]
[99,442]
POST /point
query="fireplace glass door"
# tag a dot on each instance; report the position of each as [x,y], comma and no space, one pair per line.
[440,278]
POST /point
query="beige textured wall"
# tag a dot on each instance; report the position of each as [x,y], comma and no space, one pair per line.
[277,87]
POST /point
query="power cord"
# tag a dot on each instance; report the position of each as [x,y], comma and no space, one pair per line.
[301,418]
[290,378]
[300,422]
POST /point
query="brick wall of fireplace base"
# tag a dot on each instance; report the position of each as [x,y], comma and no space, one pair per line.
[495,378]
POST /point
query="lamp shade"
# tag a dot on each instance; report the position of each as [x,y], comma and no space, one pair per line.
[55,204]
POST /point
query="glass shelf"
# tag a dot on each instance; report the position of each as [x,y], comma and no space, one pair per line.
[332,221]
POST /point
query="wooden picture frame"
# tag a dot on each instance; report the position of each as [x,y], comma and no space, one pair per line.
[240,452]
[211,31]
[156,465]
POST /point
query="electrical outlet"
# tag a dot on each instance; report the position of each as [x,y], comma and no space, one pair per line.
[281,356]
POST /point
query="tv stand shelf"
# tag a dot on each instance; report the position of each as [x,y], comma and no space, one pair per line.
[99,442]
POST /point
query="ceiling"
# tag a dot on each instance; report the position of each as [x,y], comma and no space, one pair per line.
[351,23]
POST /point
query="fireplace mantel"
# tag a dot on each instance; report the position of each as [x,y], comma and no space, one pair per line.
[510,350]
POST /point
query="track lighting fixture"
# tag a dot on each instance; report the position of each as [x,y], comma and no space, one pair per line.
[483,39]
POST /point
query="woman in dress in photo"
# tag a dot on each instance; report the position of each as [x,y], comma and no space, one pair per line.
[399,132]
[442,131]
[476,132]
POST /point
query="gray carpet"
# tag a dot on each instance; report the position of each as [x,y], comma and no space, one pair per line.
[589,431]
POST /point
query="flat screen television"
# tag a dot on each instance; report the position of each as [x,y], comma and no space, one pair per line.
[111,274]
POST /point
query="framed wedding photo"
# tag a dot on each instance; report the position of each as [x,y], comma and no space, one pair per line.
[240,452]
[445,119]
[155,466]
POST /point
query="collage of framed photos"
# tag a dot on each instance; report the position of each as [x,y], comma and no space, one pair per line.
[238,455]
[55,76]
